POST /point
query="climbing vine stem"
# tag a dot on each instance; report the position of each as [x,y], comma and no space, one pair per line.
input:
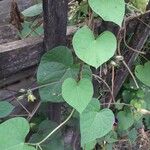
[57,128]
[80,72]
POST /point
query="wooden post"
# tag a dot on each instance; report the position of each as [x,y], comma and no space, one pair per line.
[55,26]
[55,22]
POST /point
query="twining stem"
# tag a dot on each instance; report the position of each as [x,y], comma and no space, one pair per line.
[124,40]
[40,147]
[123,104]
[34,111]
[97,77]
[131,74]
[112,86]
[23,107]
[91,16]
[68,118]
[119,52]
[80,72]
[112,80]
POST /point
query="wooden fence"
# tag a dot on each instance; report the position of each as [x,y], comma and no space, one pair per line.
[19,58]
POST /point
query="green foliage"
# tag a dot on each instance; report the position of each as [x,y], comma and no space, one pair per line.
[146,97]
[133,134]
[78,12]
[138,104]
[111,137]
[33,10]
[143,73]
[93,51]
[139,100]
[13,133]
[56,66]
[147,102]
[125,120]
[29,30]
[32,25]
[54,142]
[77,94]
[109,10]
[58,80]
[140,4]
[118,105]
[128,95]
[5,109]
[90,146]
[147,121]
[109,146]
[95,123]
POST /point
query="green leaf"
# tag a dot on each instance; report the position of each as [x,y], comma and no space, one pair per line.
[109,146]
[133,134]
[140,4]
[147,121]
[28,30]
[118,105]
[125,120]
[111,137]
[33,10]
[109,10]
[95,124]
[13,133]
[56,66]
[94,105]
[146,97]
[77,94]
[138,104]
[25,29]
[54,77]
[143,73]
[5,109]
[140,94]
[55,142]
[91,145]
[60,54]
[93,51]
[128,95]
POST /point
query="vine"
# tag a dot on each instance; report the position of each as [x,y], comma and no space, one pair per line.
[61,79]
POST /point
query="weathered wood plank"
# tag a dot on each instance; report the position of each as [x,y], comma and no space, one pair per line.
[10,91]
[8,33]
[17,77]
[139,38]
[18,55]
[22,54]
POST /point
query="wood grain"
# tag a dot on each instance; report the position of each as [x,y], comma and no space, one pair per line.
[19,55]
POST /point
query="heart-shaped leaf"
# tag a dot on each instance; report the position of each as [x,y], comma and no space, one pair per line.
[125,120]
[77,94]
[93,51]
[56,66]
[13,133]
[95,124]
[109,10]
[5,109]
[143,73]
